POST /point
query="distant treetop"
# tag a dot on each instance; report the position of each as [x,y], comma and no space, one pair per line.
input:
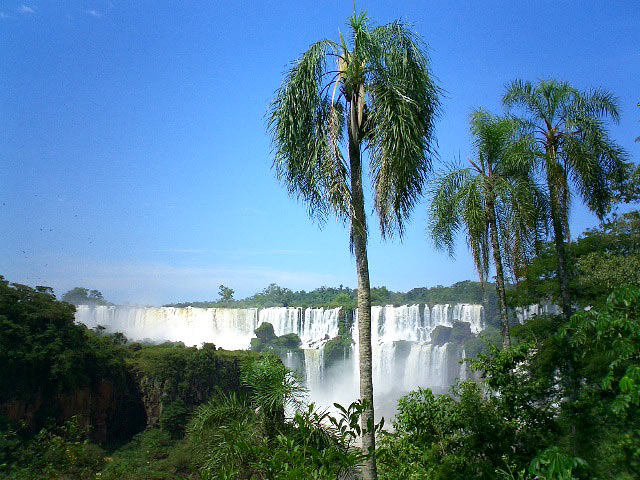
[84,296]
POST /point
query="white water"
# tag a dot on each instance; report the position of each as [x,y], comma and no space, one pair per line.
[403,358]
[524,314]
[319,325]
[229,328]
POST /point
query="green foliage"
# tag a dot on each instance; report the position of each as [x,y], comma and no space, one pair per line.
[573,141]
[273,386]
[54,453]
[267,341]
[227,435]
[602,258]
[190,373]
[84,296]
[554,464]
[265,332]
[39,344]
[384,85]
[581,380]
[573,148]
[47,359]
[174,418]
[240,437]
[289,340]
[628,190]
[610,336]
[150,455]
[498,187]
[440,437]
[318,445]
[226,293]
[336,349]
[550,464]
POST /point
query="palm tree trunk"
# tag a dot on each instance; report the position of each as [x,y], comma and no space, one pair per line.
[359,241]
[497,259]
[557,220]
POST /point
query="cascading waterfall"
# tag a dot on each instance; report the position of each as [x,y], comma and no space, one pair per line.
[403,358]
[314,367]
[426,366]
[319,325]
[471,314]
[284,319]
[229,328]
[462,375]
[439,316]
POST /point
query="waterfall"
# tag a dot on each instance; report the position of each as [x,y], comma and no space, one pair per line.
[439,316]
[403,359]
[231,329]
[524,314]
[284,319]
[426,367]
[462,375]
[319,325]
[314,367]
[472,314]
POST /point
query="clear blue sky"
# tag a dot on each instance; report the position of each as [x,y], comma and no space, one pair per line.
[133,151]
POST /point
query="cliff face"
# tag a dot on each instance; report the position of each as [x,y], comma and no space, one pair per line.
[190,376]
[115,412]
[134,399]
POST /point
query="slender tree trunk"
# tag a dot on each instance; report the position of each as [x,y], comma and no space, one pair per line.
[557,220]
[359,241]
[497,259]
[564,206]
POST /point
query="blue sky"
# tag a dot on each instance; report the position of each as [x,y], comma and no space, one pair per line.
[133,151]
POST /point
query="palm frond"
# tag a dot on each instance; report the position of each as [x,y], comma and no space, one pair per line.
[474,216]
[523,94]
[600,103]
[307,129]
[273,386]
[445,219]
[403,106]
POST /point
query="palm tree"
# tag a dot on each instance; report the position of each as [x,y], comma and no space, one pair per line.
[495,200]
[573,146]
[374,93]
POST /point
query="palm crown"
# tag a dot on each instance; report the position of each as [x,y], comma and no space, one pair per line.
[573,142]
[501,174]
[572,146]
[379,90]
[495,201]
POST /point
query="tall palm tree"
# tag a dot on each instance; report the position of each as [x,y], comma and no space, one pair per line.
[573,147]
[495,200]
[374,93]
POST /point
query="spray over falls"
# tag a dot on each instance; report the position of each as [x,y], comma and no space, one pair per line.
[404,356]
